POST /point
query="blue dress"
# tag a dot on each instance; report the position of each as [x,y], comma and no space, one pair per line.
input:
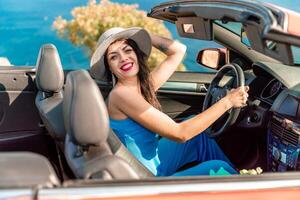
[163,157]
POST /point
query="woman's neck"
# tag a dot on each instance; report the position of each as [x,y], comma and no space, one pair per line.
[129,82]
[132,82]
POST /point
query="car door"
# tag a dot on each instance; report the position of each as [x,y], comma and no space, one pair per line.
[183,94]
[20,124]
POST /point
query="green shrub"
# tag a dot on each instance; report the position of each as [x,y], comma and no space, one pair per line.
[90,21]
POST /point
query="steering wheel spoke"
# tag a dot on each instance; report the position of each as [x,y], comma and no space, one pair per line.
[229,111]
[215,93]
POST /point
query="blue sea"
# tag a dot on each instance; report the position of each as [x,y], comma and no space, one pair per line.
[26,25]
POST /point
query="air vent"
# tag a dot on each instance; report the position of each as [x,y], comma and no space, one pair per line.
[276,129]
[290,137]
[283,134]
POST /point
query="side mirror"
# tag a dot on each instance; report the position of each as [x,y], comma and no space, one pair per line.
[212,58]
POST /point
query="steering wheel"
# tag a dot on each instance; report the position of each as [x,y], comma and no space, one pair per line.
[216,92]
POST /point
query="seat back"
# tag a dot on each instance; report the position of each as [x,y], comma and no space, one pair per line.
[25,170]
[86,122]
[49,81]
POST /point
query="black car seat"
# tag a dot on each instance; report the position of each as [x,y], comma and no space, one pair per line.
[49,81]
[88,150]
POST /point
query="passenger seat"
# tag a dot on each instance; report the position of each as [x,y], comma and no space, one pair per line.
[87,124]
[50,81]
[26,170]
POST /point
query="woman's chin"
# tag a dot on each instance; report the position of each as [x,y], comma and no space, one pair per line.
[131,73]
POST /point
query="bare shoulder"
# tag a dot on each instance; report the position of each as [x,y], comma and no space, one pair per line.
[121,94]
[119,99]
[112,105]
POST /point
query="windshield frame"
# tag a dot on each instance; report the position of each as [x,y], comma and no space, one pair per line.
[228,26]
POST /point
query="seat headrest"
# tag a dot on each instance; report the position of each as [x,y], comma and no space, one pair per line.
[85,114]
[49,75]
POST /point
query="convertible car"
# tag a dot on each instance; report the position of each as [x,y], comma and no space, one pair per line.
[56,142]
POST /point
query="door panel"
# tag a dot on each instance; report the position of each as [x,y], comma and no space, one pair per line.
[180,100]
[19,119]
[183,94]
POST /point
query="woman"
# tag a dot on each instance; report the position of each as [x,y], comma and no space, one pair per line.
[135,113]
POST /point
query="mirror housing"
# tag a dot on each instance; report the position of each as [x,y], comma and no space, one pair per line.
[213,58]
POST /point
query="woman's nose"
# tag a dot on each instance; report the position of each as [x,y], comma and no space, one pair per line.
[123,57]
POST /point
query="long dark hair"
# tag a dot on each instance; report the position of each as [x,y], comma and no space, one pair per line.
[146,82]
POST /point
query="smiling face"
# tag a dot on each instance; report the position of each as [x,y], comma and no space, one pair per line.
[122,60]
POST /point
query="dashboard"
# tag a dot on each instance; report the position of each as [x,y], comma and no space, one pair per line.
[271,90]
[265,89]
[274,104]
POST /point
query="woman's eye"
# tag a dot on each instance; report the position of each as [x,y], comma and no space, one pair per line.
[113,57]
[128,50]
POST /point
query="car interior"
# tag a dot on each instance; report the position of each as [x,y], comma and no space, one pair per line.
[54,123]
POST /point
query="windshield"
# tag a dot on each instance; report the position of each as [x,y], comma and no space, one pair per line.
[236,27]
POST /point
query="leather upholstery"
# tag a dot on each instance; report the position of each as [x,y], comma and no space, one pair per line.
[85,114]
[49,81]
[26,170]
[50,110]
[49,75]
[86,121]
[97,162]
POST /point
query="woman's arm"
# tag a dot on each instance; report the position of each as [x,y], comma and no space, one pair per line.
[175,52]
[136,107]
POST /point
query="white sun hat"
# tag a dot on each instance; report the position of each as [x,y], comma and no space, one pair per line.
[137,34]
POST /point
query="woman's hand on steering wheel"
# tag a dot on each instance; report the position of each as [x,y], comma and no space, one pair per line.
[235,98]
[238,97]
